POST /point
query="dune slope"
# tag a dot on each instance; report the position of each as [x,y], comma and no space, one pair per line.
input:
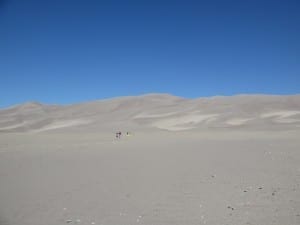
[156,112]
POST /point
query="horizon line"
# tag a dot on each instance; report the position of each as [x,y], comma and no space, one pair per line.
[37,102]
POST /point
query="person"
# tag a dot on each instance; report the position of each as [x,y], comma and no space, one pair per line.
[118,135]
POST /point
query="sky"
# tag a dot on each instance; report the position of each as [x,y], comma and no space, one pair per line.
[69,51]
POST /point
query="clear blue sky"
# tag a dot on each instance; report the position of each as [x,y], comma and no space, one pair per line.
[66,51]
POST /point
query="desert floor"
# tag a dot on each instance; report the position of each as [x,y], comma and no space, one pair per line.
[216,178]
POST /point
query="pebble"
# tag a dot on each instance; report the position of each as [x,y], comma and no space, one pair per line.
[69,221]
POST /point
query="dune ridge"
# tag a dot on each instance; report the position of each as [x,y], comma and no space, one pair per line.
[156,112]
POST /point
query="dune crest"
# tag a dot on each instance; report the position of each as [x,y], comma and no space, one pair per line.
[156,112]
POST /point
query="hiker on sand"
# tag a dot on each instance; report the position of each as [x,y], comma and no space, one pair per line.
[118,134]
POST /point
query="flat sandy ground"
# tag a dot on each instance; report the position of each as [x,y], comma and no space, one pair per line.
[217,178]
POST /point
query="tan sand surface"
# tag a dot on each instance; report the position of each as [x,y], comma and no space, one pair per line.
[155,178]
[156,112]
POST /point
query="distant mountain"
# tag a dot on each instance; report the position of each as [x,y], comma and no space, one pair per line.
[156,112]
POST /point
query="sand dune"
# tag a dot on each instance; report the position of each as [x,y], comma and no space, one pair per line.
[61,124]
[238,121]
[219,160]
[283,116]
[183,122]
[156,111]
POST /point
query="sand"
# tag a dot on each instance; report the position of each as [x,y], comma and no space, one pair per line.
[156,112]
[155,178]
[215,161]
